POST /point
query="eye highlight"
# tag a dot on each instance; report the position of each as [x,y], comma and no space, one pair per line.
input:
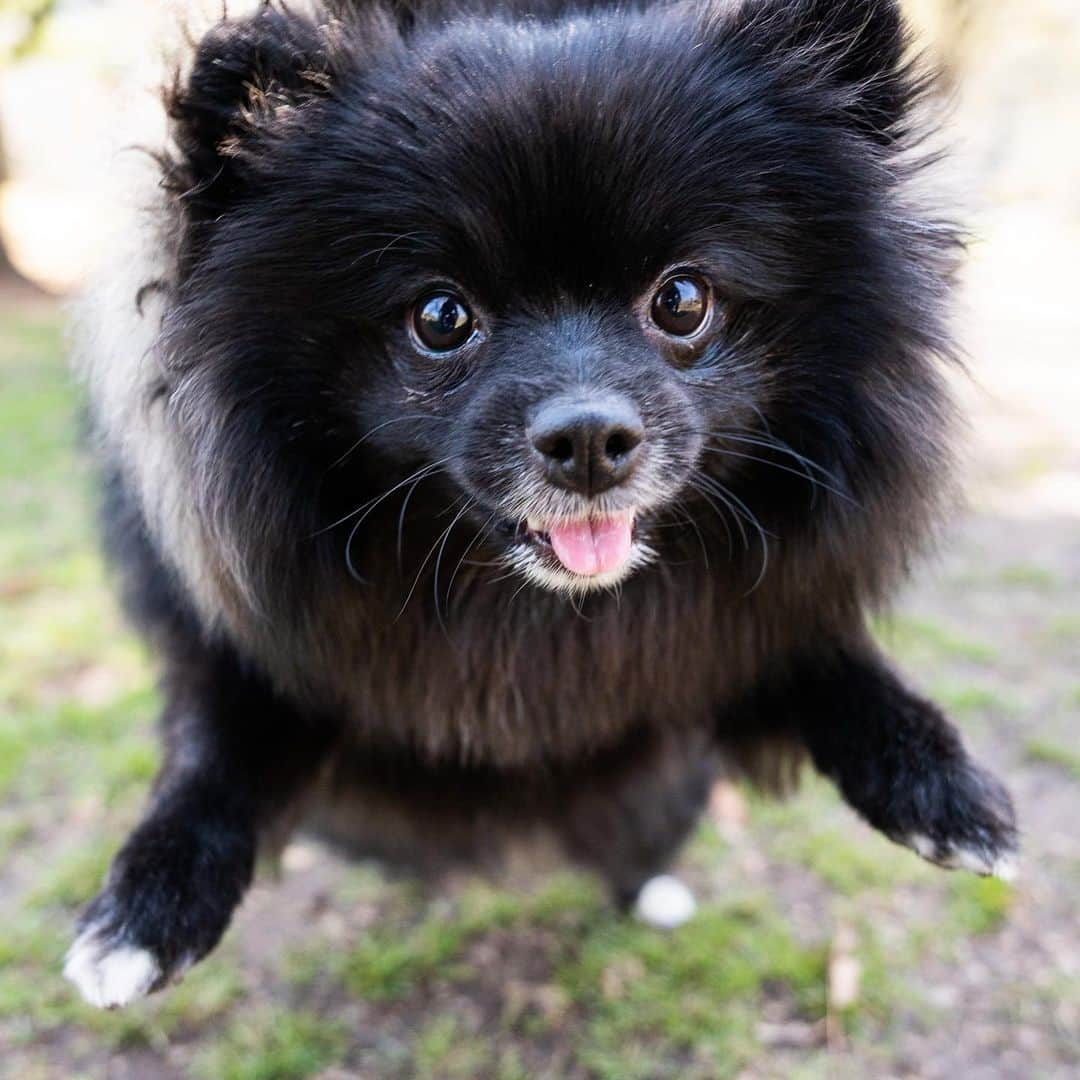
[442,322]
[681,305]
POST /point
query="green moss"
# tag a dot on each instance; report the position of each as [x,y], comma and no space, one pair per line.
[272,1044]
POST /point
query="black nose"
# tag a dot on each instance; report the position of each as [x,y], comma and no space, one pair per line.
[588,446]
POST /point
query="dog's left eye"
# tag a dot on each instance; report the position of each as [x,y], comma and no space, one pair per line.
[680,305]
[442,322]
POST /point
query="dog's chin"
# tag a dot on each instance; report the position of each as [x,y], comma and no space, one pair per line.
[578,555]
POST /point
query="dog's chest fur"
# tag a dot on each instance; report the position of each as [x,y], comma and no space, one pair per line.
[508,682]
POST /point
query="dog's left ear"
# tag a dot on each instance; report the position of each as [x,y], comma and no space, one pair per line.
[244,74]
[855,50]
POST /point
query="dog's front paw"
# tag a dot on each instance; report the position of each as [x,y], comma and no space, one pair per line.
[168,899]
[121,952]
[960,817]
[108,972]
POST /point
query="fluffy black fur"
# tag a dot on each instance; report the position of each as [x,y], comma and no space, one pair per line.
[346,634]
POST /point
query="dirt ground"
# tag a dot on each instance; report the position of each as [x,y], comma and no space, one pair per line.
[820,950]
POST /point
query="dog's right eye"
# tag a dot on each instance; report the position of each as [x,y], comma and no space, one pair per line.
[442,322]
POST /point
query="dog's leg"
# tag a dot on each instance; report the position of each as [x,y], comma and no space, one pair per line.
[627,819]
[236,760]
[896,760]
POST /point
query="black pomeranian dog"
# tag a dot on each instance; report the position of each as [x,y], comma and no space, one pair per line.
[511,413]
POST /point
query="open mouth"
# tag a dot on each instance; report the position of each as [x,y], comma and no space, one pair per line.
[598,547]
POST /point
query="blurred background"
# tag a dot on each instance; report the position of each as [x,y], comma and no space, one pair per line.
[821,949]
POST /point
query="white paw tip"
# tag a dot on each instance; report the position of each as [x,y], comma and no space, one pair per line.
[110,977]
[665,902]
[1006,867]
[923,846]
[978,861]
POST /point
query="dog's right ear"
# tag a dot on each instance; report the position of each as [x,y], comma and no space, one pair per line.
[245,71]
[855,51]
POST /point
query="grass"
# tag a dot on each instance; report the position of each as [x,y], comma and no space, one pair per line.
[77,876]
[978,905]
[1048,753]
[1027,576]
[846,864]
[685,1004]
[967,701]
[922,642]
[817,831]
[418,943]
[275,1044]
[445,1050]
[631,1000]
[1062,630]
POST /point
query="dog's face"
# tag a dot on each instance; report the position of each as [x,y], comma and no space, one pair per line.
[562,362]
[594,276]
[568,418]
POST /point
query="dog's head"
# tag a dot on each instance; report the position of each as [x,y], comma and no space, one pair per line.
[598,277]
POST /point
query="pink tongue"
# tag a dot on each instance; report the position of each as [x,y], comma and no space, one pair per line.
[593,547]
